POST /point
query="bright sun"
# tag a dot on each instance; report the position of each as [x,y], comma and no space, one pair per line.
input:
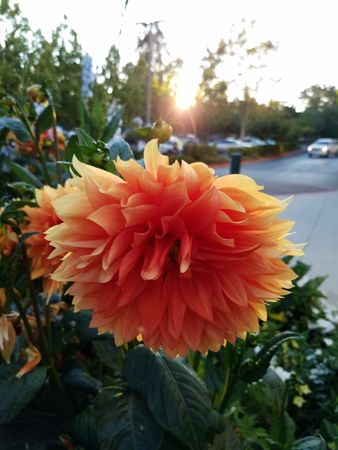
[186,92]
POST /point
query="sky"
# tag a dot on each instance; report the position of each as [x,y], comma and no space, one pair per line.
[304,30]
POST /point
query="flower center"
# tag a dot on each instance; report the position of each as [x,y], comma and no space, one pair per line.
[173,252]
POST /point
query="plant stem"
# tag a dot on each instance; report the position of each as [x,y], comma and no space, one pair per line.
[55,140]
[58,383]
[196,361]
[36,143]
[48,327]
[44,345]
[220,400]
[11,294]
[45,350]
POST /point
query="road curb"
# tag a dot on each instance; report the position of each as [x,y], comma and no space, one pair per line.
[258,160]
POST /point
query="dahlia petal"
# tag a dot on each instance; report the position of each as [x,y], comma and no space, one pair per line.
[155,257]
[151,307]
[197,296]
[129,261]
[205,208]
[176,305]
[242,182]
[100,176]
[153,159]
[110,218]
[205,174]
[192,330]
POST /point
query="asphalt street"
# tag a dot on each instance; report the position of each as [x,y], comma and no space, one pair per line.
[314,209]
[293,175]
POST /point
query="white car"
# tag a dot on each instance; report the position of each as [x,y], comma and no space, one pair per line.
[249,141]
[223,145]
[323,147]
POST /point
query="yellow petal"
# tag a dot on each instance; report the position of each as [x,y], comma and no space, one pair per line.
[153,158]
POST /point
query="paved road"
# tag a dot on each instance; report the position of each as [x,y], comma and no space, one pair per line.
[292,175]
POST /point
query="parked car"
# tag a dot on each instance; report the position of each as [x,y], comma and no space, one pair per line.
[323,147]
[174,146]
[222,145]
[189,139]
[250,141]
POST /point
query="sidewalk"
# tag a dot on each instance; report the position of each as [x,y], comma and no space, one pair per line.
[316,217]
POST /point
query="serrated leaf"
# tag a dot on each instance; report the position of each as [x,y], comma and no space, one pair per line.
[174,394]
[254,371]
[70,149]
[310,443]
[16,393]
[124,422]
[81,379]
[17,126]
[83,429]
[228,440]
[24,174]
[84,138]
[108,353]
[21,187]
[112,126]
[44,120]
[122,149]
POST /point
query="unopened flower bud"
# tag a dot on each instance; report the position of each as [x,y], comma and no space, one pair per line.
[37,93]
[161,130]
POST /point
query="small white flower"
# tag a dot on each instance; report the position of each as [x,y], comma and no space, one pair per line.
[328,341]
[283,374]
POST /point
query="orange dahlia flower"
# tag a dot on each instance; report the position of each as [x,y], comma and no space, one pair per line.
[8,240]
[39,249]
[171,252]
[7,338]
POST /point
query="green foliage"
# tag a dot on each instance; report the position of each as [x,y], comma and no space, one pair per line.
[24,175]
[125,422]
[16,393]
[175,396]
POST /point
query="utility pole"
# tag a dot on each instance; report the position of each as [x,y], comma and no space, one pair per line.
[149,67]
[149,74]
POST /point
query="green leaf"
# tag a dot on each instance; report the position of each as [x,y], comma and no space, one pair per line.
[228,440]
[16,393]
[45,120]
[108,353]
[22,187]
[84,138]
[310,443]
[17,126]
[83,429]
[282,430]
[70,149]
[174,394]
[85,120]
[81,379]
[122,149]
[253,371]
[24,174]
[124,422]
[112,126]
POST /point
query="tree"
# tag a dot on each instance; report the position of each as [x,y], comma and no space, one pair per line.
[27,57]
[318,97]
[239,61]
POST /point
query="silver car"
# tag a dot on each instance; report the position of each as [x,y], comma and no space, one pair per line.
[323,147]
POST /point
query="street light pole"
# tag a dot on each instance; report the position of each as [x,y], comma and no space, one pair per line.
[149,74]
[149,67]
